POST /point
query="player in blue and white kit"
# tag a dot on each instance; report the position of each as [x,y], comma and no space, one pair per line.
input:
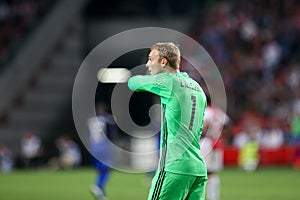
[101,129]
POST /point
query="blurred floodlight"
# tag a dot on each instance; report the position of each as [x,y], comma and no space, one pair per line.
[113,75]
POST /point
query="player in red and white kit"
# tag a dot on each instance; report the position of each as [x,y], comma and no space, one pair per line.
[212,148]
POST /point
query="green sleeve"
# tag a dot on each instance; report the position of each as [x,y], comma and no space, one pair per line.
[157,84]
[141,83]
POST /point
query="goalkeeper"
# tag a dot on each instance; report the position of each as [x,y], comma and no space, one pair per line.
[181,173]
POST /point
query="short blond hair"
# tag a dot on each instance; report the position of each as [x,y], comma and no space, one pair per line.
[170,51]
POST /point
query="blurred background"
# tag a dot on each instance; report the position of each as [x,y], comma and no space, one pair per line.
[255,45]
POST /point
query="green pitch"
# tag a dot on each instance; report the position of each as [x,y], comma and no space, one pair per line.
[263,184]
[68,185]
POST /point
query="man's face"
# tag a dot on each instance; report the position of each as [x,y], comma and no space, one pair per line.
[154,63]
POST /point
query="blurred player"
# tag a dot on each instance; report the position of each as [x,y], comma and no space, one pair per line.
[31,150]
[101,129]
[6,159]
[181,174]
[211,148]
[69,153]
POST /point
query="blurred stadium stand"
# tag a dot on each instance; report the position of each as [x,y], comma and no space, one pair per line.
[36,85]
[37,77]
[37,80]
[17,20]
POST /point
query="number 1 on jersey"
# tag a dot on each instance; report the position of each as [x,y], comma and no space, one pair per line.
[193,99]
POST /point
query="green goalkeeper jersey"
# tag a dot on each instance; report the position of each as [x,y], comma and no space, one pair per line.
[183,104]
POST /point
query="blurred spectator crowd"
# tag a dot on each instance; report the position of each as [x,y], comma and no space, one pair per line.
[256,46]
[17,18]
